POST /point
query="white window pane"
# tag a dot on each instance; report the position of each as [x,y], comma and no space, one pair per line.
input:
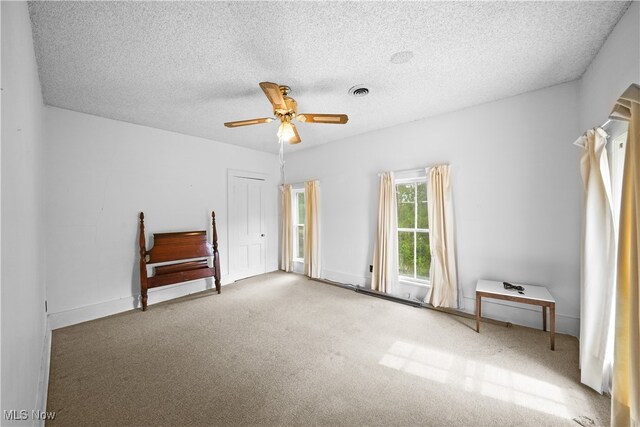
[300,239]
[423,255]
[406,199]
[301,208]
[405,253]
[421,196]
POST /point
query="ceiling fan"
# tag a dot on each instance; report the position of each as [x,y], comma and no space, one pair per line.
[285,109]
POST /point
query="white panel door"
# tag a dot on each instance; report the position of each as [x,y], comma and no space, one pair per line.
[246,220]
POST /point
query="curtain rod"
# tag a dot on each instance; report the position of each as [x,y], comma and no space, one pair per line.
[578,142]
[416,169]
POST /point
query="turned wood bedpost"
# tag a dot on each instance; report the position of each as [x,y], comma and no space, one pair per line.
[143,264]
[216,255]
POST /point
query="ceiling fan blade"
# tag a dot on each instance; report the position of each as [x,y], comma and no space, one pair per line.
[296,139]
[248,122]
[336,119]
[274,95]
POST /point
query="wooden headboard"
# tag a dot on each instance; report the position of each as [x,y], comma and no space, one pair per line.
[178,252]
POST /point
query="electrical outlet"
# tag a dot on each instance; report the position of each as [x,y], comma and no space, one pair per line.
[371,269]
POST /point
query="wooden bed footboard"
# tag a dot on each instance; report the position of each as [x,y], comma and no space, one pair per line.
[178,252]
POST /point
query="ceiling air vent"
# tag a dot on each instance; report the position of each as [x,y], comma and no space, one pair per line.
[358,91]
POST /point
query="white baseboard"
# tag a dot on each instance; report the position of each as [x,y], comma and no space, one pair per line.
[297,267]
[506,311]
[107,308]
[235,277]
[345,278]
[43,378]
[521,314]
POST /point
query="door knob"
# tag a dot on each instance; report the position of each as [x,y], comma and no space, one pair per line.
[262,235]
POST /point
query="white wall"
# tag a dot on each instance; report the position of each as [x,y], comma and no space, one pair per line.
[100,174]
[516,187]
[23,316]
[616,66]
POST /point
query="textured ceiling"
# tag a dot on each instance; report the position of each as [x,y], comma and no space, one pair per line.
[189,67]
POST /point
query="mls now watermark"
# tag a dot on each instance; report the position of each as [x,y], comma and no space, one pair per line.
[23,414]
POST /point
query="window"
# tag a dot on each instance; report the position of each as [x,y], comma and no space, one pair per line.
[414,254]
[298,224]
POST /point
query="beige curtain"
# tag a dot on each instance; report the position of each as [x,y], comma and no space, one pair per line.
[286,228]
[444,279]
[598,258]
[625,395]
[312,230]
[385,255]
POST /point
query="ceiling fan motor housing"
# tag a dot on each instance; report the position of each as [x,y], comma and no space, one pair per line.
[290,112]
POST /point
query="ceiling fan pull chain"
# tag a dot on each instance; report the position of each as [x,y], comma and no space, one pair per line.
[282,161]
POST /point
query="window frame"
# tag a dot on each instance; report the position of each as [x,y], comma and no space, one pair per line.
[296,222]
[407,279]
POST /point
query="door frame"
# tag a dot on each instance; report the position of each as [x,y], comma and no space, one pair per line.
[258,176]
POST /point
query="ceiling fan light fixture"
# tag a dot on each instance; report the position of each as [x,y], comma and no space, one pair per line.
[286,132]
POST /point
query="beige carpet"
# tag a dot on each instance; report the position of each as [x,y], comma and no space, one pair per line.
[279,349]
